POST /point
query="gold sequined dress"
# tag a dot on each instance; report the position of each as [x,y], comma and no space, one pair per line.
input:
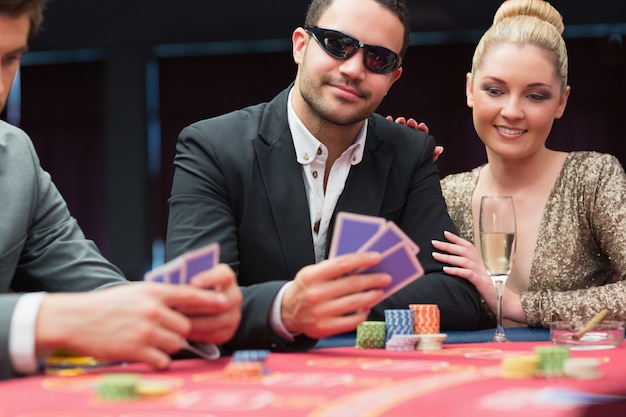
[579,264]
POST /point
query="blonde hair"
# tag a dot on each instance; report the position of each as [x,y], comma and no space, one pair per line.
[534,22]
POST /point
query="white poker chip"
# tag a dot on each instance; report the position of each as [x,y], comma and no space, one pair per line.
[431,341]
[582,368]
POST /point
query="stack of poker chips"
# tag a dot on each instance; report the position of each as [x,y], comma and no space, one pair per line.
[400,330]
[246,364]
[67,363]
[124,386]
[118,387]
[370,335]
[426,318]
[431,341]
[402,342]
[519,366]
[399,322]
[582,368]
[551,360]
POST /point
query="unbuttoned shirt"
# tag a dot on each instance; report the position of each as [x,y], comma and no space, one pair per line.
[312,155]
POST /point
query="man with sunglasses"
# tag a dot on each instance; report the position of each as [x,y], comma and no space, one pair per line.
[267,181]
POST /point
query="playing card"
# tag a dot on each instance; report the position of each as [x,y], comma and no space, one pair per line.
[201,259]
[389,236]
[175,273]
[402,264]
[352,231]
[169,273]
[156,275]
[359,233]
[181,269]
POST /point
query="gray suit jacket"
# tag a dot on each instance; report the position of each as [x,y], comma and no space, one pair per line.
[41,246]
[237,182]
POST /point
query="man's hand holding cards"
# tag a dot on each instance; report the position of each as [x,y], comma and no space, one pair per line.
[180,271]
[361,233]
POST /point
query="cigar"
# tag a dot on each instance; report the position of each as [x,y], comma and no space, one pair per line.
[591,323]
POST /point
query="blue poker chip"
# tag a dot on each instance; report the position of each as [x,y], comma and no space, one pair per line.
[399,317]
[399,321]
[400,329]
[250,355]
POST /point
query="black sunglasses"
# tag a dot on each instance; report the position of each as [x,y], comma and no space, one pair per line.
[341,46]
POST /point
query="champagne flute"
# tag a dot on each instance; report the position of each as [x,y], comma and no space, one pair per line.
[497,245]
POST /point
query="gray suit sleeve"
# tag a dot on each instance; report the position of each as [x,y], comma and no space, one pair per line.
[7,305]
[42,248]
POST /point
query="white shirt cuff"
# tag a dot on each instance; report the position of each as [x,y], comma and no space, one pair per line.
[22,333]
[276,320]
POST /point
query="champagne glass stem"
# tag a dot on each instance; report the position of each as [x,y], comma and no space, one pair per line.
[499,336]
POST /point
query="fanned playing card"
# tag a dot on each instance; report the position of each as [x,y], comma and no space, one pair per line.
[156,275]
[360,233]
[388,236]
[201,259]
[175,272]
[352,231]
[181,269]
[402,264]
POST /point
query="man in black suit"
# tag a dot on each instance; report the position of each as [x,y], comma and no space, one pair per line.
[266,182]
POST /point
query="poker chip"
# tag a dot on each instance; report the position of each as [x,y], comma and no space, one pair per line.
[66,363]
[551,360]
[582,368]
[250,355]
[59,360]
[431,341]
[118,387]
[402,342]
[426,318]
[370,335]
[150,388]
[518,367]
[247,364]
[398,322]
[129,386]
[244,370]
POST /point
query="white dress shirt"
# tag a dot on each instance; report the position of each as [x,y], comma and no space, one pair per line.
[22,333]
[312,156]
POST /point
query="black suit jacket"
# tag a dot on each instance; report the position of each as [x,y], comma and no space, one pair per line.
[237,182]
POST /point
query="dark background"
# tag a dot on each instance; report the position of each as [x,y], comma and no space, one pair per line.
[112,23]
[108,86]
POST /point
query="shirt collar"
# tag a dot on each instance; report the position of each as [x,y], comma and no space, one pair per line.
[307,145]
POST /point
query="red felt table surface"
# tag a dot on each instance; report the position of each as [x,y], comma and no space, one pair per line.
[459,380]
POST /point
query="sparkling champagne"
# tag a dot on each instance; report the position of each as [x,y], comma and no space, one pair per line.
[497,250]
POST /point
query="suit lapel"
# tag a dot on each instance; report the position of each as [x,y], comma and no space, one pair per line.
[363,192]
[282,178]
[365,186]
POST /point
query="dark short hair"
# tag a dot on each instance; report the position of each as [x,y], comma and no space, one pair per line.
[398,7]
[33,8]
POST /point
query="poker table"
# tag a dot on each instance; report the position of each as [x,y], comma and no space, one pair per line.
[457,380]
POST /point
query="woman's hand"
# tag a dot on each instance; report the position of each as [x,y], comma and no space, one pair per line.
[413,124]
[467,263]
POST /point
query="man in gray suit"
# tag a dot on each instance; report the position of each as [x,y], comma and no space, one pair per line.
[43,249]
[267,182]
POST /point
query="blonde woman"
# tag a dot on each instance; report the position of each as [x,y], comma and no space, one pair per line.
[571,217]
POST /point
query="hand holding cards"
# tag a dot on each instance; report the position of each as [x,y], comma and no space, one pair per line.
[361,233]
[179,271]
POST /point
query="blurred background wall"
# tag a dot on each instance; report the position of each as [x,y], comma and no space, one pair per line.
[108,86]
